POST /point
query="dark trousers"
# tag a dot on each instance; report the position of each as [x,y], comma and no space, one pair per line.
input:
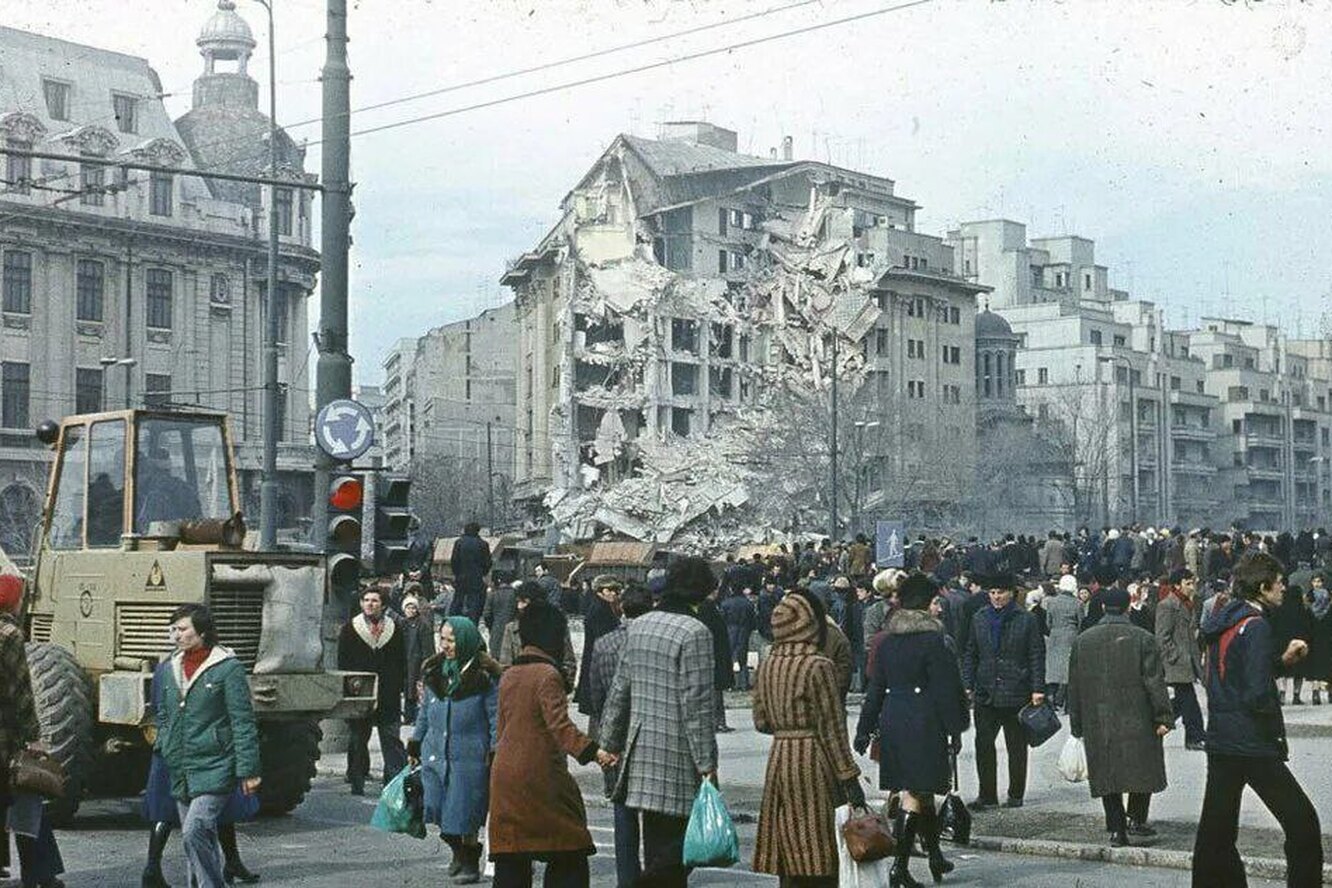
[719,707]
[989,721]
[807,882]
[663,851]
[1184,701]
[740,657]
[562,871]
[1057,693]
[1216,861]
[628,839]
[390,744]
[39,858]
[1138,805]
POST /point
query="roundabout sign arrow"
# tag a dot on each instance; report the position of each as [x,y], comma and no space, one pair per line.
[344,429]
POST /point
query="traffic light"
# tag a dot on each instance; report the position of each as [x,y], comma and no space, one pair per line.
[392,523]
[345,495]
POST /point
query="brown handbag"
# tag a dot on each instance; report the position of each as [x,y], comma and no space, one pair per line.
[868,837]
[37,772]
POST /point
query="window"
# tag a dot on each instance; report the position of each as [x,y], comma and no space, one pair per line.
[87,390]
[92,181]
[14,392]
[67,513]
[1264,395]
[18,169]
[881,341]
[719,381]
[952,394]
[181,469]
[915,348]
[722,338]
[955,315]
[680,421]
[738,219]
[916,307]
[721,221]
[916,388]
[1086,282]
[1042,375]
[126,109]
[684,335]
[158,289]
[283,203]
[1022,377]
[219,290]
[1237,426]
[1248,363]
[1202,389]
[1094,337]
[18,282]
[1059,279]
[90,282]
[106,483]
[57,99]
[159,194]
[1175,382]
[684,379]
[1119,340]
[156,389]
[952,354]
[744,348]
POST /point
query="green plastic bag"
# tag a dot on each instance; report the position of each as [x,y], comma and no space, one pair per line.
[400,811]
[710,838]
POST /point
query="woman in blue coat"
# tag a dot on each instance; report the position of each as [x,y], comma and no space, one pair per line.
[159,809]
[916,703]
[455,739]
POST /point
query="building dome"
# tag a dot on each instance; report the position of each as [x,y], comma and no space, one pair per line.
[226,29]
[989,324]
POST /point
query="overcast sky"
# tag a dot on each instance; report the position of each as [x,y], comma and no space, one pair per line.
[1186,139]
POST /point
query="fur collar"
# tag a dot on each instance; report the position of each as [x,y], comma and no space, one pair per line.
[362,628]
[912,622]
[215,656]
[476,675]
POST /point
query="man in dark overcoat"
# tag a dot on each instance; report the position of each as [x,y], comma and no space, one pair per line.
[1118,705]
[372,642]
[470,563]
[1003,669]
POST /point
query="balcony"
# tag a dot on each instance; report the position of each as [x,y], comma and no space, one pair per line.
[1188,467]
[1263,439]
[1192,433]
[1266,473]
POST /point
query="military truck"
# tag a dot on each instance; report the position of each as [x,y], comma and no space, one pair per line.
[142,515]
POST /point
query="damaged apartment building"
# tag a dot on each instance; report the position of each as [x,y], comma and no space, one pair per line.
[680,328]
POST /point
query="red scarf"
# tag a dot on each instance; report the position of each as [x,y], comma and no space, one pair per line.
[193,659]
[1183,599]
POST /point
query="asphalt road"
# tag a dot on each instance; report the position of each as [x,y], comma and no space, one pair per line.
[327,843]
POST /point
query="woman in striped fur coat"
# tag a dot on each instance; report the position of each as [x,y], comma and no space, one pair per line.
[810,770]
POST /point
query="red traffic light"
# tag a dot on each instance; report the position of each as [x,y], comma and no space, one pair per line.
[345,494]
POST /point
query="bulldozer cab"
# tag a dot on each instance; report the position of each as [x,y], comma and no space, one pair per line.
[136,473]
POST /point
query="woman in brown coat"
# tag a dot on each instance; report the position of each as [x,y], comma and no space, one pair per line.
[810,769]
[536,809]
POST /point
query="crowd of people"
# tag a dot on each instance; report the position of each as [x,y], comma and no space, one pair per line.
[1115,628]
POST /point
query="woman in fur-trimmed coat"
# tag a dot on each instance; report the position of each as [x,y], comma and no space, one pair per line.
[916,703]
[797,699]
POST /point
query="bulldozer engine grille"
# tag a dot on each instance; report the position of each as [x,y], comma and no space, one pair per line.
[238,614]
[141,630]
[39,628]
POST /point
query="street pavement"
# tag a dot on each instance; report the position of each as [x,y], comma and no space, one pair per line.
[327,843]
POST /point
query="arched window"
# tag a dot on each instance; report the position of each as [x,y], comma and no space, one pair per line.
[986,384]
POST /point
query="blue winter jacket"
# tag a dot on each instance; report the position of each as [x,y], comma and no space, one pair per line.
[1243,705]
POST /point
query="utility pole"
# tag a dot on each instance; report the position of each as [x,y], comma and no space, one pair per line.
[268,487]
[490,480]
[832,446]
[333,369]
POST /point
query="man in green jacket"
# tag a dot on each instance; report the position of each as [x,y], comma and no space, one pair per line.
[207,735]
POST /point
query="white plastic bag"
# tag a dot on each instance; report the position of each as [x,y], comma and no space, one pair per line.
[858,875]
[1073,760]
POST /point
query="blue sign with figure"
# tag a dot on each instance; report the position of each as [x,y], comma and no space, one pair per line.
[889,544]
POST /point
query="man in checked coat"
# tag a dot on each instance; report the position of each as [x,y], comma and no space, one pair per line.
[659,718]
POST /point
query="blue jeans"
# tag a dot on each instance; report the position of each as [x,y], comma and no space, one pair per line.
[198,833]
[628,866]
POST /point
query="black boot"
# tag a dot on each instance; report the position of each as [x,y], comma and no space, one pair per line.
[471,865]
[929,830]
[900,875]
[152,871]
[233,870]
[455,846]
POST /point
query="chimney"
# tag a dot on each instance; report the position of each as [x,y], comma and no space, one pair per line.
[699,132]
[788,147]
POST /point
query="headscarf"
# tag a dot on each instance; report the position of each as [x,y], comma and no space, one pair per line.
[467,644]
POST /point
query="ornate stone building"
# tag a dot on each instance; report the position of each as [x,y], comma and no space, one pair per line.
[129,288]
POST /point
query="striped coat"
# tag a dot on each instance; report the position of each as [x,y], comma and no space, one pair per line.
[659,713]
[798,701]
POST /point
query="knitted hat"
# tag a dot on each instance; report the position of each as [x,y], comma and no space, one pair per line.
[11,592]
[793,620]
[1068,583]
[542,626]
[410,600]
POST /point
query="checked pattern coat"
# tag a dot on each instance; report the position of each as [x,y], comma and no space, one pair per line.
[659,713]
[18,712]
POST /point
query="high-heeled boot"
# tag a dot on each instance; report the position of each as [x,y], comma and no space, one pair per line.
[152,871]
[929,830]
[232,869]
[900,875]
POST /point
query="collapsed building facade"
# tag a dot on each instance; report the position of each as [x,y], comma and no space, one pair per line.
[681,327]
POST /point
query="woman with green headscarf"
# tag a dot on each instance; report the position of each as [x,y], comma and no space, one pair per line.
[454,740]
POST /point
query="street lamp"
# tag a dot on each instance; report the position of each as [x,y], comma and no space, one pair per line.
[1133,425]
[107,364]
[860,426]
[268,487]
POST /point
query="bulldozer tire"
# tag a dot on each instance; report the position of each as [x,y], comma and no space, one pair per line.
[64,697]
[288,751]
